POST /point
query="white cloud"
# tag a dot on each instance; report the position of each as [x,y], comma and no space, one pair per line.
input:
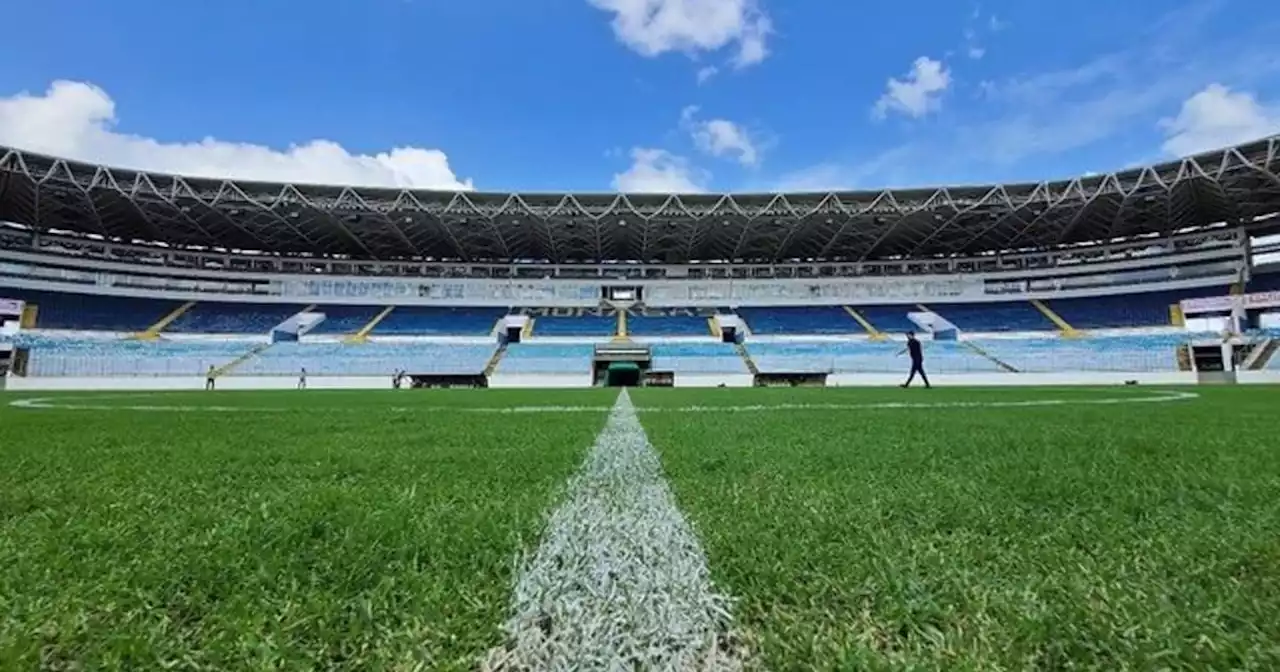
[1217,117]
[720,137]
[76,120]
[973,49]
[707,73]
[657,171]
[919,94]
[654,27]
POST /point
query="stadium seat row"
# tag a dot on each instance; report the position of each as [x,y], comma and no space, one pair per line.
[124,314]
[83,357]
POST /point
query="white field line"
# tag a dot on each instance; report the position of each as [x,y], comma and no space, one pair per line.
[71,403]
[620,581]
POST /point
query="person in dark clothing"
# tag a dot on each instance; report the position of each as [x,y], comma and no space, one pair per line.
[208,379]
[917,360]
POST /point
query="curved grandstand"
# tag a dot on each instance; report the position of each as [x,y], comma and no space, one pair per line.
[121,278]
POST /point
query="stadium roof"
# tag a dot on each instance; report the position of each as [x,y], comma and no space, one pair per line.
[1236,186]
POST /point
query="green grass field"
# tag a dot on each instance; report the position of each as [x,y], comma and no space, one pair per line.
[855,529]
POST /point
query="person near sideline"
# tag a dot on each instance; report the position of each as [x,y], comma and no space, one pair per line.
[916,352]
[302,380]
[208,379]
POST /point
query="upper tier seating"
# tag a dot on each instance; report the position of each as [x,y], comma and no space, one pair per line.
[665,325]
[233,318]
[697,358]
[1003,316]
[1145,353]
[344,319]
[800,320]
[580,325]
[368,359]
[891,319]
[92,358]
[433,321]
[1264,282]
[1147,309]
[547,358]
[91,312]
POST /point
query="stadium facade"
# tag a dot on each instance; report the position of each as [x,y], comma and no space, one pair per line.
[121,278]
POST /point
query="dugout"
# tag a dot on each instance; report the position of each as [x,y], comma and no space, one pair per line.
[447,381]
[791,380]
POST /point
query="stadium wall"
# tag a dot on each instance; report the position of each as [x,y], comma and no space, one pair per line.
[580,381]
[540,381]
[1014,379]
[178,383]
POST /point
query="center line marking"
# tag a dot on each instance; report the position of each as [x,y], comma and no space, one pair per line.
[620,580]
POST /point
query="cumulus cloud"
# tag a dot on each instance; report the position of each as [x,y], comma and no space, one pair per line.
[76,120]
[1218,117]
[657,171]
[654,27]
[720,137]
[917,95]
[707,73]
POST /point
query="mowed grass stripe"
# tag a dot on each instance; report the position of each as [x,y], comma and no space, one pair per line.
[1089,536]
[307,540]
[620,580]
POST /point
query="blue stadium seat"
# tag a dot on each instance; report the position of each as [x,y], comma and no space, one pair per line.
[666,325]
[94,358]
[864,357]
[580,325]
[433,321]
[1265,282]
[91,312]
[546,358]
[697,358]
[344,319]
[368,359]
[1125,310]
[1001,316]
[233,318]
[1138,354]
[892,319]
[800,320]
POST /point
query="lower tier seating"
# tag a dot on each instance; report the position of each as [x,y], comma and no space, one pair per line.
[697,358]
[100,358]
[864,357]
[547,358]
[368,359]
[1113,353]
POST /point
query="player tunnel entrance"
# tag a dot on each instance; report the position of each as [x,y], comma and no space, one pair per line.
[621,364]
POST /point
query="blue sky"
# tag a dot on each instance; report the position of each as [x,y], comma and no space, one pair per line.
[639,95]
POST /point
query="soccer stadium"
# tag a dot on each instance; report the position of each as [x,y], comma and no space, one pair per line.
[290,426]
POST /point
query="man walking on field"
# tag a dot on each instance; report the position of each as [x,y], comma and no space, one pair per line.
[917,360]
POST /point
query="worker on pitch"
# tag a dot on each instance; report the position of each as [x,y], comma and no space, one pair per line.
[917,360]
